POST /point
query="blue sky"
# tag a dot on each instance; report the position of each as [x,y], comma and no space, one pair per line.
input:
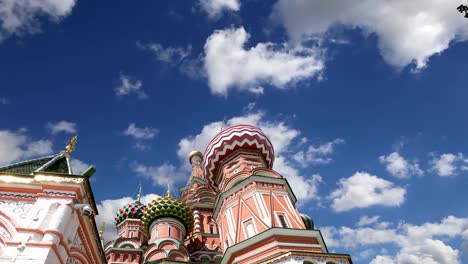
[365,102]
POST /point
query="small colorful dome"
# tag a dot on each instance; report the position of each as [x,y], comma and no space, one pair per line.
[133,210]
[230,139]
[193,154]
[168,206]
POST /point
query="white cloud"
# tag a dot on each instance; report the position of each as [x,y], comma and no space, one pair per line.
[367,220]
[171,55]
[448,164]
[161,175]
[141,132]
[417,243]
[214,8]
[3,101]
[363,190]
[305,188]
[108,209]
[130,86]
[17,145]
[317,154]
[62,126]
[407,31]
[230,65]
[79,166]
[399,167]
[22,17]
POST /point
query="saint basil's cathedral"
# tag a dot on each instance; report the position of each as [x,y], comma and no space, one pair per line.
[234,209]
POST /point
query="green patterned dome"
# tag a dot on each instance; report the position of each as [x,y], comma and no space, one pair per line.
[132,210]
[168,206]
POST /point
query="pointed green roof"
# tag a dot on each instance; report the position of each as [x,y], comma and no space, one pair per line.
[55,163]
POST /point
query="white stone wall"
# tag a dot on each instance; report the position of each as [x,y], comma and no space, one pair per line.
[44,214]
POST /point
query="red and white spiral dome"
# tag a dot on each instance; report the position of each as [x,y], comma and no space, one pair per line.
[233,138]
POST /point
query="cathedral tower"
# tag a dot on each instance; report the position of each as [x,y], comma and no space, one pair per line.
[255,208]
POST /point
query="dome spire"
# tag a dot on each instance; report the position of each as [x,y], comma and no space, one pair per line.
[168,188]
[139,193]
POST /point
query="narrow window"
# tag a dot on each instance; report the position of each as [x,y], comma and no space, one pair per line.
[211,229]
[227,243]
[250,229]
[170,231]
[283,221]
[131,234]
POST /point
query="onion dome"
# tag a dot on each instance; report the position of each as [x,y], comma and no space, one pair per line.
[168,206]
[133,210]
[193,154]
[308,222]
[231,139]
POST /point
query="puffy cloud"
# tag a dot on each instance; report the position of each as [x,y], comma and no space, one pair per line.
[161,175]
[448,164]
[62,126]
[367,220]
[417,243]
[318,154]
[363,190]
[399,167]
[79,166]
[129,86]
[22,17]
[108,209]
[141,132]
[171,55]
[3,101]
[214,8]
[17,146]
[230,65]
[407,31]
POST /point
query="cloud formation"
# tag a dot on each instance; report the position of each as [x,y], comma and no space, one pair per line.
[214,8]
[320,154]
[364,190]
[128,85]
[425,243]
[23,17]
[230,65]
[408,32]
[171,55]
[17,146]
[448,164]
[62,126]
[399,167]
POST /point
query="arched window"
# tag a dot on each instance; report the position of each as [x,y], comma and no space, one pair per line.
[169,232]
[132,234]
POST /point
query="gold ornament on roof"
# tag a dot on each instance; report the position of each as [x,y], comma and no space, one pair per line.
[71,145]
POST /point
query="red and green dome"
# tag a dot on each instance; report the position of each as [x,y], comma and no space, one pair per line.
[168,206]
[133,210]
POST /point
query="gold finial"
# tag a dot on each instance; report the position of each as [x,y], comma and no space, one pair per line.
[168,187]
[139,193]
[101,230]
[71,145]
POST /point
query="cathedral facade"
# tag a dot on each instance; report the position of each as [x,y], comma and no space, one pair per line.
[234,209]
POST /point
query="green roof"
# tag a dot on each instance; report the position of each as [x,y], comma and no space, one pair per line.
[58,164]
